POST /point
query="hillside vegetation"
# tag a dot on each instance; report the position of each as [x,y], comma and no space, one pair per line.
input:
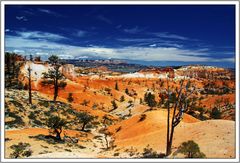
[98,113]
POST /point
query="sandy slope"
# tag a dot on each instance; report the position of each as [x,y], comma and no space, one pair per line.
[215,137]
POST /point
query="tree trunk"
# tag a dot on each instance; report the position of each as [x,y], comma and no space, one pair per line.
[83,126]
[58,134]
[55,90]
[105,137]
[169,143]
[168,148]
[29,86]
[189,155]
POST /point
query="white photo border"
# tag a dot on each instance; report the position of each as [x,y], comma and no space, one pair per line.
[236,3]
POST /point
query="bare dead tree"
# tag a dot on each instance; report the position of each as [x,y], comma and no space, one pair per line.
[29,85]
[105,131]
[179,105]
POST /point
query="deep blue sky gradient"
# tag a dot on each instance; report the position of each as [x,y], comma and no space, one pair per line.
[209,29]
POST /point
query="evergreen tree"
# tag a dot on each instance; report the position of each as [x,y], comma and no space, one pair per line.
[116,86]
[191,150]
[215,113]
[70,97]
[54,76]
[122,98]
[126,91]
[149,98]
[84,118]
[56,123]
[114,105]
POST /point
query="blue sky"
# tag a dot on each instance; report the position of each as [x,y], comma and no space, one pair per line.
[150,34]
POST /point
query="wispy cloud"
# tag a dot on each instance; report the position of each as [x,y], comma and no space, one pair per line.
[18,51]
[155,49]
[169,36]
[21,18]
[46,11]
[39,35]
[119,26]
[80,33]
[104,19]
[157,42]
[28,11]
[133,30]
[137,39]
[27,45]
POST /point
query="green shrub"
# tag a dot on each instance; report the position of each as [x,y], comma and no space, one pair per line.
[191,150]
[149,98]
[16,104]
[70,97]
[16,122]
[21,150]
[215,113]
[31,116]
[142,117]
[122,98]
[37,122]
[149,153]
[43,103]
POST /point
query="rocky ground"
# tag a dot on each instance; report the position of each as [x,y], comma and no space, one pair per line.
[25,123]
[126,134]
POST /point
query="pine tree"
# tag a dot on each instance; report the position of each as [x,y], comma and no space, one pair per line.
[84,118]
[70,97]
[56,123]
[191,150]
[114,105]
[116,86]
[54,76]
[149,98]
[126,91]
[122,98]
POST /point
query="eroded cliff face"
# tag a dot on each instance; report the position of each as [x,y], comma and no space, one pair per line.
[68,70]
[160,72]
[37,70]
[206,72]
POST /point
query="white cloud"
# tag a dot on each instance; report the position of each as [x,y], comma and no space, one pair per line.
[20,42]
[224,60]
[137,39]
[28,45]
[153,45]
[82,57]
[21,18]
[49,12]
[81,33]
[157,42]
[18,51]
[118,26]
[7,30]
[41,53]
[45,11]
[40,35]
[133,30]
[169,36]
[104,19]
